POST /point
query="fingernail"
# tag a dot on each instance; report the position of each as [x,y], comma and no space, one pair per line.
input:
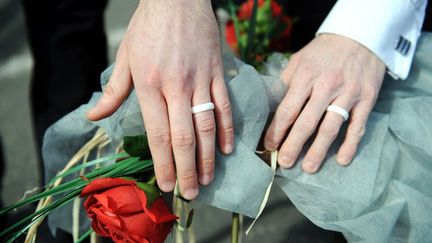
[206,179]
[90,111]
[190,194]
[228,148]
[310,167]
[166,186]
[344,160]
[285,161]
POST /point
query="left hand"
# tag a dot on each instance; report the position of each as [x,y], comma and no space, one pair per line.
[331,69]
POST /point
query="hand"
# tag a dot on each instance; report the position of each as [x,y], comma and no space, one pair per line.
[171,54]
[331,69]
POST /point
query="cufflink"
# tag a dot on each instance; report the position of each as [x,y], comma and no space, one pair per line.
[403,45]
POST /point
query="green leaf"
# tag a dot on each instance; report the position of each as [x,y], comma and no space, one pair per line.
[84,236]
[189,219]
[43,211]
[90,163]
[108,171]
[152,192]
[137,146]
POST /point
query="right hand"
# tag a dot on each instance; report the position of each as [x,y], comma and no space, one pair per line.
[171,54]
[331,69]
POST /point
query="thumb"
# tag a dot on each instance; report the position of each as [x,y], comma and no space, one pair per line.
[115,92]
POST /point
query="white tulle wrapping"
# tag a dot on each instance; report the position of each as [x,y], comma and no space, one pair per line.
[384,195]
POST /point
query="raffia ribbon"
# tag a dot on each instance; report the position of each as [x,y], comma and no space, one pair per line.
[273,164]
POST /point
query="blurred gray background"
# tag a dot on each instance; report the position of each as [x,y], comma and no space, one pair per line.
[280,222]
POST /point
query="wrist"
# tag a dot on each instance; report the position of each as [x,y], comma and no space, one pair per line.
[176,5]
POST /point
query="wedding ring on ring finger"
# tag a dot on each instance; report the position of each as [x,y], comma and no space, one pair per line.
[339,110]
[202,107]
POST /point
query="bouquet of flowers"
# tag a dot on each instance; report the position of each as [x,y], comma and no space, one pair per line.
[257,29]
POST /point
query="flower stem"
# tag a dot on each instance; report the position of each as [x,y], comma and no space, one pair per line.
[152,181]
[84,236]
[235,228]
[251,34]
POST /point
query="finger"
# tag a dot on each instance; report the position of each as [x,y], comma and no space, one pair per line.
[288,73]
[328,131]
[302,129]
[183,143]
[115,92]
[205,130]
[222,111]
[285,116]
[355,132]
[156,122]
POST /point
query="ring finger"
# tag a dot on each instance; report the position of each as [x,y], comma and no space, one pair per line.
[328,131]
[205,131]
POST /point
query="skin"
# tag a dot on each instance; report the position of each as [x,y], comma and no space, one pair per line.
[171,55]
[331,69]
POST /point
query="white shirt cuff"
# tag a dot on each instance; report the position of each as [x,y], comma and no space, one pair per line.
[389,28]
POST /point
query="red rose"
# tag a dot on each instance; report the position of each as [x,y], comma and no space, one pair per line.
[118,209]
[277,10]
[246,8]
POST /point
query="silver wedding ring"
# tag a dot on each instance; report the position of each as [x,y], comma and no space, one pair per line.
[339,110]
[203,107]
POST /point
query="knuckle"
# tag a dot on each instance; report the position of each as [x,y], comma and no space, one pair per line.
[188,176]
[151,84]
[159,138]
[330,129]
[152,80]
[229,130]
[307,126]
[272,135]
[278,132]
[353,89]
[183,139]
[291,150]
[225,105]
[270,140]
[357,130]
[288,115]
[370,93]
[308,70]
[314,154]
[111,90]
[270,143]
[183,86]
[206,126]
[216,63]
[164,171]
[329,84]
[207,165]
[335,81]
